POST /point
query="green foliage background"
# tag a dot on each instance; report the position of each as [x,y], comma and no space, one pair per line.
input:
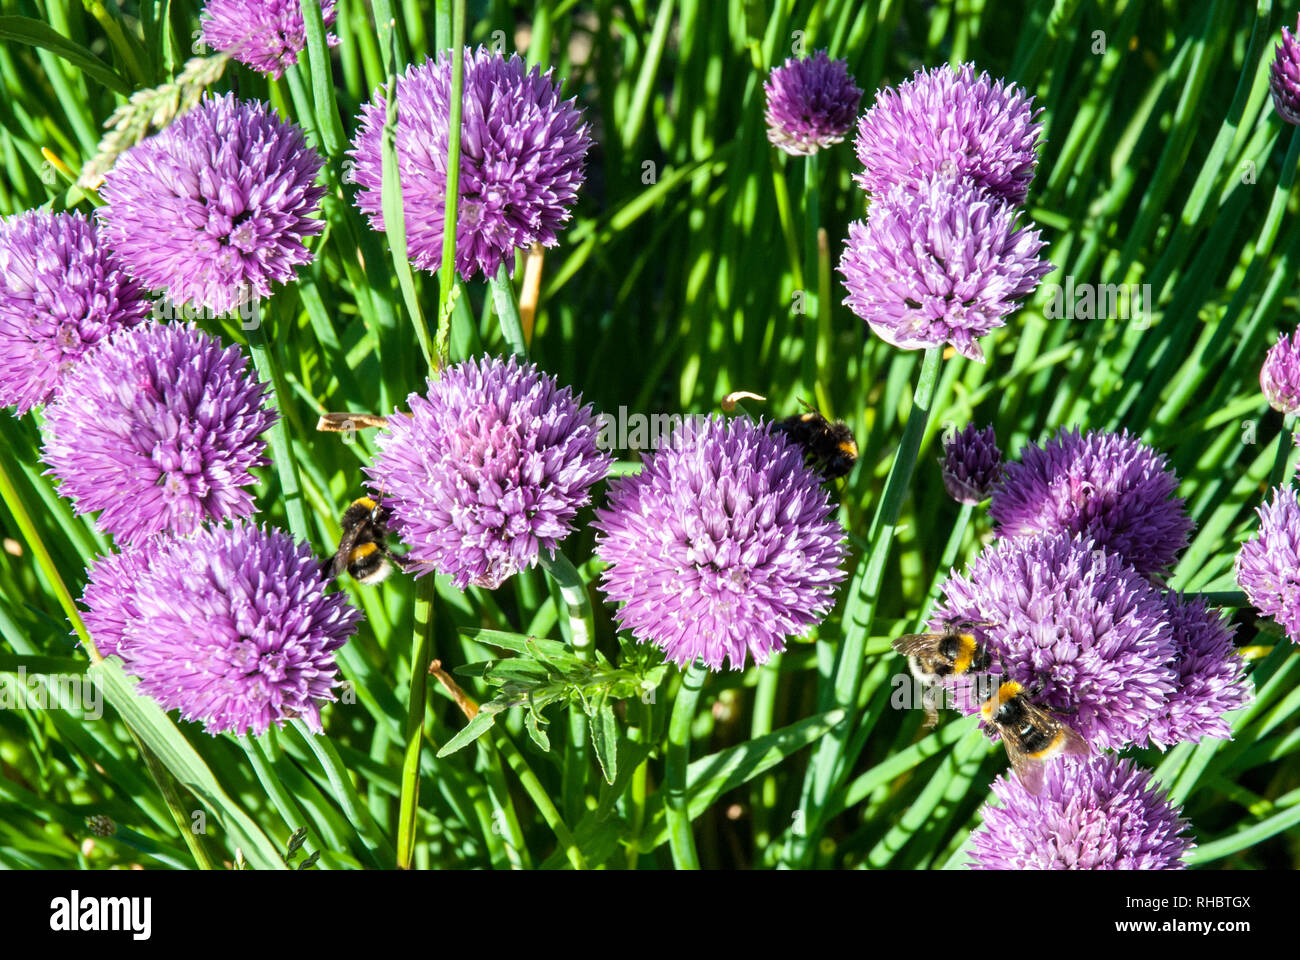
[1164,164]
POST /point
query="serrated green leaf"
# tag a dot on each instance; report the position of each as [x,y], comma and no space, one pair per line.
[536,732]
[518,642]
[480,725]
[604,738]
[516,669]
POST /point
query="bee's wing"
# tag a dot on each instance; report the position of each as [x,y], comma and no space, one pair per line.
[346,544]
[910,644]
[1027,768]
[1075,745]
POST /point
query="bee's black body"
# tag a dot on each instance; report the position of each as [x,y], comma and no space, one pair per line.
[933,657]
[363,549]
[1030,731]
[1031,735]
[828,446]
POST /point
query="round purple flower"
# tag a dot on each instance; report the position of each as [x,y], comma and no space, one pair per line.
[488,470]
[232,626]
[811,103]
[1210,676]
[1100,813]
[972,464]
[61,292]
[952,122]
[1078,625]
[110,594]
[724,545]
[522,151]
[1268,564]
[1111,487]
[158,428]
[216,206]
[1279,377]
[938,262]
[267,35]
[1284,77]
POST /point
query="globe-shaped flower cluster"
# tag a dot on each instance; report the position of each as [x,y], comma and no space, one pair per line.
[488,470]
[232,626]
[61,292]
[811,103]
[216,207]
[521,161]
[1100,813]
[722,547]
[158,429]
[267,35]
[941,258]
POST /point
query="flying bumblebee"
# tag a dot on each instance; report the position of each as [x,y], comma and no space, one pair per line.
[932,657]
[363,548]
[829,448]
[1031,734]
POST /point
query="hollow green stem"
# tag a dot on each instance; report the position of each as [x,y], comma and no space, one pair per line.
[545,806]
[286,466]
[416,707]
[507,306]
[827,765]
[380,851]
[681,839]
[1278,474]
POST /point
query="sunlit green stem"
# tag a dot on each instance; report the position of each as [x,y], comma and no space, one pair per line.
[676,805]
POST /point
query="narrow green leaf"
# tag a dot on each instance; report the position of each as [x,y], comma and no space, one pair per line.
[480,725]
[161,736]
[604,738]
[710,777]
[39,34]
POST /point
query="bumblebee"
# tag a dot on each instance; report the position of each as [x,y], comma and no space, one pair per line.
[363,549]
[932,657]
[829,448]
[1031,734]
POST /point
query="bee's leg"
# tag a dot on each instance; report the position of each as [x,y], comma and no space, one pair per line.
[1036,693]
[928,703]
[399,560]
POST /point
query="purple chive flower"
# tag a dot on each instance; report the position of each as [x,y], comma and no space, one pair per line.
[488,470]
[232,626]
[61,292]
[216,206]
[724,545]
[811,103]
[1100,813]
[1077,625]
[522,151]
[972,464]
[1284,77]
[1210,681]
[158,428]
[267,35]
[1111,487]
[939,261]
[1279,377]
[952,122]
[110,594]
[1268,564]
